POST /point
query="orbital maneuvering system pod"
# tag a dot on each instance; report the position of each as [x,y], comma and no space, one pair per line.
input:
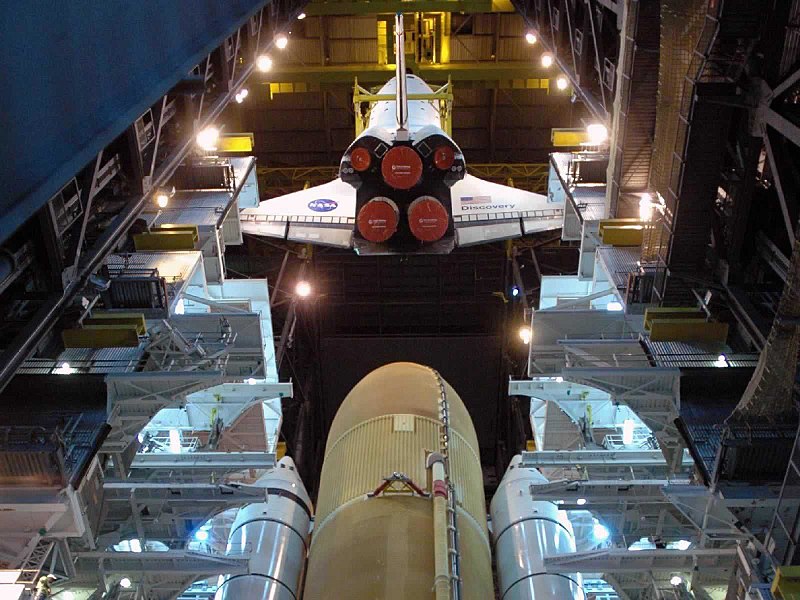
[403,186]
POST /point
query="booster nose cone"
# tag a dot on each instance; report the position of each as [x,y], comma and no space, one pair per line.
[378,219]
[401,168]
[287,463]
[428,219]
[285,476]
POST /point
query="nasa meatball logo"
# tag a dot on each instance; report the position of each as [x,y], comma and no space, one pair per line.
[323,205]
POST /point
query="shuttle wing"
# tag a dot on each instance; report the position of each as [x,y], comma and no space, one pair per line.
[485,211]
[324,214]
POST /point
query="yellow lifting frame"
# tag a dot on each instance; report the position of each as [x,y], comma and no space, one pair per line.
[444,95]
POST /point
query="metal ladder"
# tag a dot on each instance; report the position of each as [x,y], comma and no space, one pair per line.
[452,530]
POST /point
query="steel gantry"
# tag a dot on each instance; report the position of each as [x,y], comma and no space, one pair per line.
[151,575]
[157,129]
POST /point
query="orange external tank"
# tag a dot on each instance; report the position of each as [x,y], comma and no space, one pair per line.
[401,469]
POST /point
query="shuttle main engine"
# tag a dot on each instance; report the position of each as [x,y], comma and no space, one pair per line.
[401,511]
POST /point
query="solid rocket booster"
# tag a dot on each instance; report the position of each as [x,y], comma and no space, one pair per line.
[374,539]
[525,532]
[274,534]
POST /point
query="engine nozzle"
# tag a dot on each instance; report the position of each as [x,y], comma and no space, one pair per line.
[428,219]
[378,219]
[401,168]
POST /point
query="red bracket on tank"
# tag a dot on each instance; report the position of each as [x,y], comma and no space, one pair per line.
[390,486]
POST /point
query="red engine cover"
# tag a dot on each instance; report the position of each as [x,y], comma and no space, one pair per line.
[401,168]
[428,219]
[377,220]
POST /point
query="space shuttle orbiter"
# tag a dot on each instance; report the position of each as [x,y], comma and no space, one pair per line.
[403,188]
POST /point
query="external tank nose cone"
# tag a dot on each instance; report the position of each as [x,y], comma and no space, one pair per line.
[400,388]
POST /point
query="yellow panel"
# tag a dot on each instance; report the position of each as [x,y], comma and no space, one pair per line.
[502,6]
[102,317]
[786,584]
[666,312]
[236,142]
[626,235]
[688,330]
[569,138]
[280,451]
[176,227]
[101,336]
[530,445]
[383,52]
[167,237]
[618,222]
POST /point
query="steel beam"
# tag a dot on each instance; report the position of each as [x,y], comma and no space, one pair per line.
[590,458]
[782,125]
[376,7]
[615,583]
[151,492]
[173,562]
[373,73]
[206,461]
[626,561]
[608,492]
[772,255]
[776,176]
[784,85]
[593,104]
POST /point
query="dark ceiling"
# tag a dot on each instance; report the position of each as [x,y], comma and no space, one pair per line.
[505,102]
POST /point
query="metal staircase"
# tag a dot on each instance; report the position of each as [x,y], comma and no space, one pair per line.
[31,569]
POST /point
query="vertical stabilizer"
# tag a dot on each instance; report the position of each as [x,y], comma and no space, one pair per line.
[401,99]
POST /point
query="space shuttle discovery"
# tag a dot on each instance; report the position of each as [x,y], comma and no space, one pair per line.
[403,187]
